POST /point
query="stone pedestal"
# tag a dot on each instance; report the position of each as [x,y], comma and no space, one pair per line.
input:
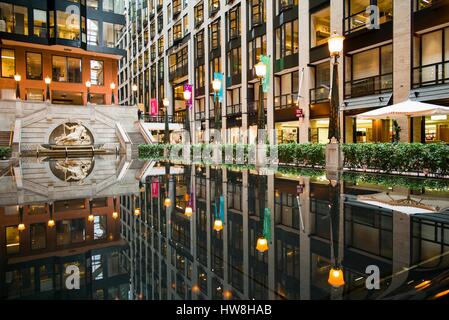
[334,157]
[261,155]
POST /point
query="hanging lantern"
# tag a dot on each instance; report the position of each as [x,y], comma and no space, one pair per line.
[336,277]
[167,202]
[262,244]
[21,227]
[137,211]
[51,223]
[189,211]
[91,218]
[218,225]
[115,215]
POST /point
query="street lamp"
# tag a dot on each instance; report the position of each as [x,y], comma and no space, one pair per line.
[166,104]
[187,97]
[335,43]
[88,85]
[261,73]
[134,88]
[112,93]
[336,277]
[216,86]
[47,83]
[17,78]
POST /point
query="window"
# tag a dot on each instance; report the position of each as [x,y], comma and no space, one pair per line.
[214,32]
[96,73]
[12,240]
[34,66]
[13,19]
[92,32]
[234,62]
[256,13]
[185,22]
[38,236]
[357,16]
[214,6]
[115,6]
[287,39]
[68,25]
[234,23]
[8,60]
[66,69]
[199,76]
[199,45]
[92,4]
[111,34]
[320,25]
[40,23]
[70,231]
[199,14]
[160,46]
[256,48]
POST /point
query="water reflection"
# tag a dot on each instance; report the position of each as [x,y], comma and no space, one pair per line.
[145,230]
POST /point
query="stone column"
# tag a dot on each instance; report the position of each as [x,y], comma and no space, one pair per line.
[270,34]
[244,57]
[304,241]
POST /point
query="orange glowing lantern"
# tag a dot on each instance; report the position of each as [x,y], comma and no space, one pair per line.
[262,244]
[336,277]
[218,225]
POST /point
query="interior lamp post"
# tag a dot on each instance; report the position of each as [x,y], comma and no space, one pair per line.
[261,73]
[17,78]
[51,222]
[47,93]
[216,86]
[166,104]
[88,86]
[112,93]
[333,152]
[134,88]
[187,96]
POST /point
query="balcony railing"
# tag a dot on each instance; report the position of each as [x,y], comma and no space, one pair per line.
[369,86]
[178,71]
[285,101]
[431,75]
[200,115]
[319,95]
[161,119]
[359,21]
[424,4]
[252,106]
[234,109]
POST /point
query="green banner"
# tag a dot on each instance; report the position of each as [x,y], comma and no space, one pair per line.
[266,81]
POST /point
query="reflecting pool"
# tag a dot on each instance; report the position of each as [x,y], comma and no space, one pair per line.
[120,229]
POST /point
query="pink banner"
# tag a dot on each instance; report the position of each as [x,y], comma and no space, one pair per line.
[188,87]
[155,188]
[154,110]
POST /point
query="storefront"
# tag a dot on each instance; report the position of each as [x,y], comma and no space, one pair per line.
[319,130]
[287,132]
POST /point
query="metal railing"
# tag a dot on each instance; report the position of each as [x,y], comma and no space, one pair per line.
[161,118]
[319,95]
[369,86]
[360,20]
[431,74]
[286,101]
[234,109]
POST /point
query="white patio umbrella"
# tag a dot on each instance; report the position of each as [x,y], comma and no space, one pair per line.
[407,108]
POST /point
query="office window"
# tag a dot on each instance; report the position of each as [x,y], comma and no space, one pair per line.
[287,39]
[68,25]
[40,23]
[38,236]
[13,19]
[214,32]
[111,34]
[115,6]
[234,62]
[65,69]
[234,23]
[92,32]
[34,66]
[8,60]
[185,22]
[96,73]
[199,45]
[12,240]
[199,14]
[160,45]
[92,4]
[256,13]
[320,25]
[70,231]
[256,48]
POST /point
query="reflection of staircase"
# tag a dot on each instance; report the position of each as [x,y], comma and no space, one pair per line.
[136,140]
[5,137]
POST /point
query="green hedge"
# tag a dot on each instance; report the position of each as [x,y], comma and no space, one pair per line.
[400,157]
[5,152]
[306,154]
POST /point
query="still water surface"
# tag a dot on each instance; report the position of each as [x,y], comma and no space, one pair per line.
[146,230]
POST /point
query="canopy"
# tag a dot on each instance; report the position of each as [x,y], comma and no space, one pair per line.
[407,108]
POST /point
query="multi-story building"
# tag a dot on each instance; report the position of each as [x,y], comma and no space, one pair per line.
[69,43]
[392,52]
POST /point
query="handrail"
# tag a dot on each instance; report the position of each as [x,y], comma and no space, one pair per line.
[11,135]
[369,85]
[283,101]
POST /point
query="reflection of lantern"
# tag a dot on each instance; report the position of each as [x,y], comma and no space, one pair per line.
[115,215]
[51,223]
[195,288]
[262,244]
[218,225]
[91,218]
[167,202]
[186,197]
[21,227]
[137,212]
[227,295]
[188,211]
[336,277]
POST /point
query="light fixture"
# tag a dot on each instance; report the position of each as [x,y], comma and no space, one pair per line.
[91,217]
[261,69]
[187,95]
[186,197]
[218,225]
[88,84]
[216,85]
[335,43]
[189,211]
[21,227]
[336,277]
[47,80]
[167,202]
[166,102]
[137,211]
[262,244]
[112,86]
[17,77]
[134,87]
[115,215]
[440,117]
[51,223]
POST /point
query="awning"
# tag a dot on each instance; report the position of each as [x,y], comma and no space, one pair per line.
[367,102]
[407,108]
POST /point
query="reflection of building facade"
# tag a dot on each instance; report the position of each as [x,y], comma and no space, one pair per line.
[170,44]
[70,42]
[179,257]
